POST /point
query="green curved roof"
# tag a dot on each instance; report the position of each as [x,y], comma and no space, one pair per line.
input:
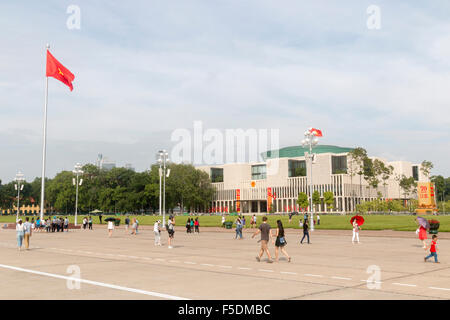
[298,151]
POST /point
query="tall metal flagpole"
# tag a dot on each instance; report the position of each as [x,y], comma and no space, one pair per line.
[44,148]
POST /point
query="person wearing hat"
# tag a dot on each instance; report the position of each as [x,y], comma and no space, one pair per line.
[157,231]
[20,228]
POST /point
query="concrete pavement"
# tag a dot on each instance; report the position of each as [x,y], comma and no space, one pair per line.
[213,265]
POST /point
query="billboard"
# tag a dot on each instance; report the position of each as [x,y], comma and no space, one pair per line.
[425,192]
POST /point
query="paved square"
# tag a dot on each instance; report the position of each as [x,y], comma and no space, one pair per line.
[212,265]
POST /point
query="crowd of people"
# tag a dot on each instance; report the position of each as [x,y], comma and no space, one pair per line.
[59,224]
[192,226]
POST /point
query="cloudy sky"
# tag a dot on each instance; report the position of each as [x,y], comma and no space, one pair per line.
[146,68]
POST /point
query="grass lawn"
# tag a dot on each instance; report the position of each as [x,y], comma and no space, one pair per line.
[327,222]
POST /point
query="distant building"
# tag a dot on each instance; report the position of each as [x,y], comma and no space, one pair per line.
[129,166]
[104,163]
[247,187]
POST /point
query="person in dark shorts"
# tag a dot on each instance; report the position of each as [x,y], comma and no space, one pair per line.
[188,225]
[196,225]
[305,231]
[280,241]
[100,217]
[171,230]
[127,224]
[264,229]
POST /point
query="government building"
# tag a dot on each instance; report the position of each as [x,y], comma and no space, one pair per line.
[276,182]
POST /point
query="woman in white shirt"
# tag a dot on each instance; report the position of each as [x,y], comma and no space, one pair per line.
[20,228]
[110,228]
[355,232]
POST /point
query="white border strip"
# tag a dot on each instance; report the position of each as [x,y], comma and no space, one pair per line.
[95,283]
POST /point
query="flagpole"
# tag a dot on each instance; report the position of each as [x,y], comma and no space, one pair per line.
[44,147]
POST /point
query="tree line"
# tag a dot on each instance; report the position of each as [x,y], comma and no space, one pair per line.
[118,190]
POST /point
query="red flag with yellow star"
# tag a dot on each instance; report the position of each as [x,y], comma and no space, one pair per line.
[56,70]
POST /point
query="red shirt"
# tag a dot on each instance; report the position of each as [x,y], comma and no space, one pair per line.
[433,246]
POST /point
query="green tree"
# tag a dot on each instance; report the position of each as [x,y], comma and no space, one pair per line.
[357,157]
[408,185]
[316,198]
[386,173]
[302,200]
[328,199]
[426,167]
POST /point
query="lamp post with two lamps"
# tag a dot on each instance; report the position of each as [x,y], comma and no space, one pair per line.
[19,187]
[311,140]
[77,171]
[163,158]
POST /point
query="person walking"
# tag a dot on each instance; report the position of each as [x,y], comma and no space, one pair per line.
[191,229]
[238,228]
[48,225]
[422,235]
[305,231]
[110,228]
[433,249]
[54,224]
[157,232]
[133,227]
[137,225]
[66,224]
[188,225]
[84,223]
[196,225]
[280,241]
[243,222]
[318,220]
[356,228]
[171,230]
[90,223]
[290,217]
[20,231]
[264,229]
[253,221]
[100,217]
[27,233]
[58,224]
[223,221]
[127,224]
[38,224]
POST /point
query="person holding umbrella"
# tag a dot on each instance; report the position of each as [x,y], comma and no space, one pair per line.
[422,230]
[356,222]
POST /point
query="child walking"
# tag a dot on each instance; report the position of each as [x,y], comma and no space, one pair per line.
[433,250]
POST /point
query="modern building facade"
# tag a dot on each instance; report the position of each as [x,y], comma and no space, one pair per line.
[284,173]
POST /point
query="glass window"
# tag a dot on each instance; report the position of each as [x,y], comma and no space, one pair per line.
[259,172]
[415,173]
[338,164]
[216,174]
[297,168]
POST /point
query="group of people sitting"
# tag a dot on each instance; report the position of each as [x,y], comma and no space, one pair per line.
[192,225]
[55,224]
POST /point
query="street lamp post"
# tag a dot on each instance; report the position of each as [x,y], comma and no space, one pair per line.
[19,187]
[77,171]
[310,140]
[162,158]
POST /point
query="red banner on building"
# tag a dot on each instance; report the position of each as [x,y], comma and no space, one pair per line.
[238,200]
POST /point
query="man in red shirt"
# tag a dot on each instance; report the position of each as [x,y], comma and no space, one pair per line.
[433,250]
